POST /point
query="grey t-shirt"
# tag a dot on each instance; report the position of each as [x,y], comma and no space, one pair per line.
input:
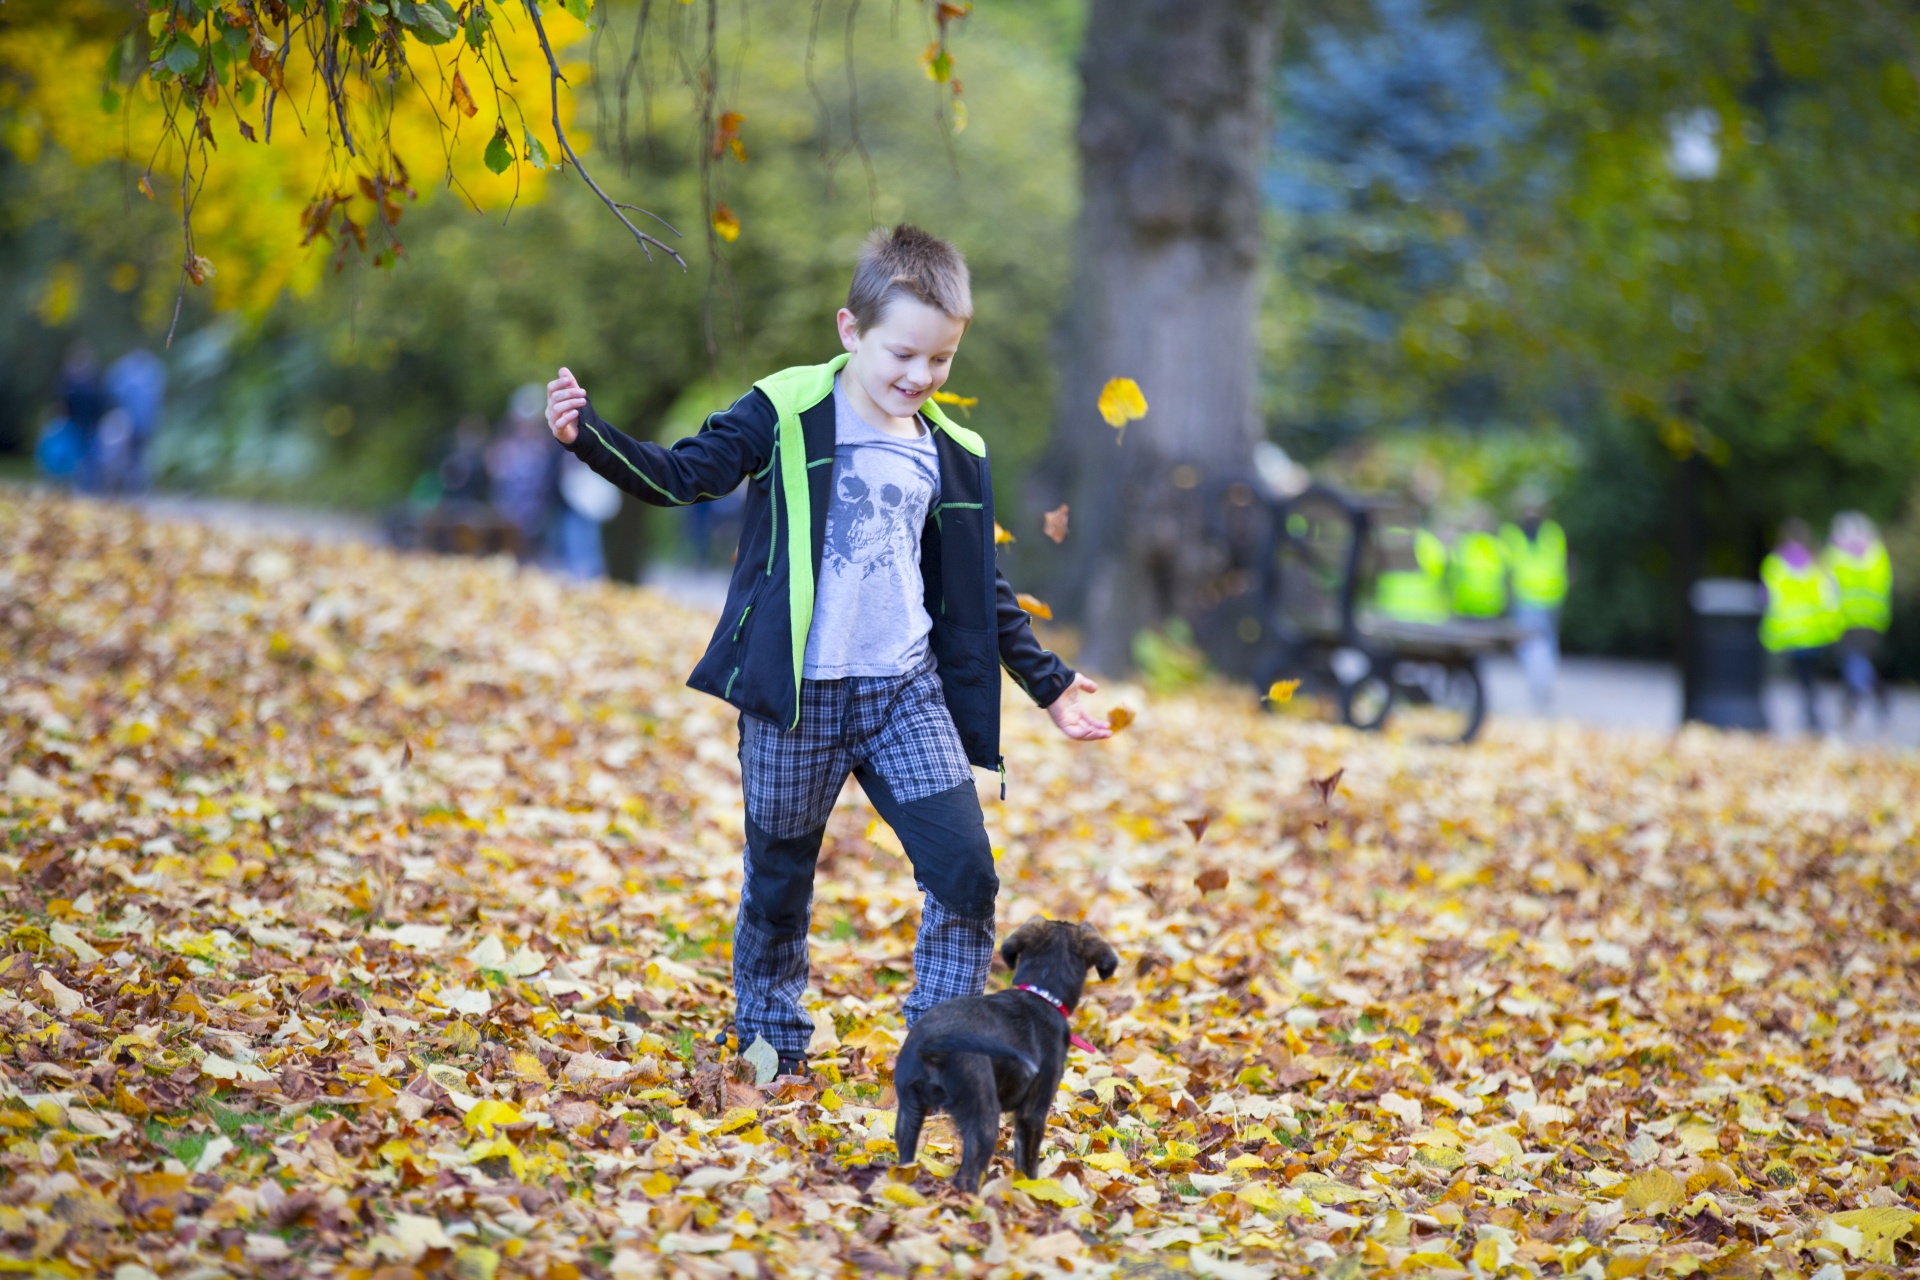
[869,607]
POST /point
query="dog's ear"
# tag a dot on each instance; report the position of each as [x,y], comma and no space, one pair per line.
[1095,951]
[1022,938]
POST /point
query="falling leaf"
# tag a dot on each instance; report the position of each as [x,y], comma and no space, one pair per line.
[1198,826]
[461,98]
[1000,536]
[726,137]
[725,224]
[1055,523]
[1119,718]
[1326,785]
[1212,880]
[963,403]
[1038,608]
[406,754]
[1281,692]
[1121,403]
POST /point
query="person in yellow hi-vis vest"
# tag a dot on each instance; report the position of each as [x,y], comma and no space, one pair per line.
[1863,572]
[1478,575]
[1803,616]
[1412,583]
[1536,551]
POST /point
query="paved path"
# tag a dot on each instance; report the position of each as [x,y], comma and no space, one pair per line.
[1623,694]
[1605,692]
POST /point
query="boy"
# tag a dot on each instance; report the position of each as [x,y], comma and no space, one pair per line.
[888,669]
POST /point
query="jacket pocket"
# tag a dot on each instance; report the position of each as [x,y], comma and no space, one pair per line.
[966,655]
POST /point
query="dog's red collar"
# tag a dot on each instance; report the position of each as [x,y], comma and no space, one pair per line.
[1073,1037]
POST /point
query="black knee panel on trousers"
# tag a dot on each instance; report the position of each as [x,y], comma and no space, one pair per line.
[945,836]
[779,891]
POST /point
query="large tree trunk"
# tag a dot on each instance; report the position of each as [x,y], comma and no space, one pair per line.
[1173,134]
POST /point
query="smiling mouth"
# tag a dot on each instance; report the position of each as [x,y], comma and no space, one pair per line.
[910,395]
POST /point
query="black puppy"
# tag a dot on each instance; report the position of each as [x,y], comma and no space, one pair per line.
[977,1056]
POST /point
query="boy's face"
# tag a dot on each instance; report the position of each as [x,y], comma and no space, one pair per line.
[905,356]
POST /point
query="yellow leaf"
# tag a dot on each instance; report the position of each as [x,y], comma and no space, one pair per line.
[873,1036]
[830,1101]
[957,401]
[737,1118]
[1653,1191]
[903,1195]
[488,1112]
[1429,1260]
[659,1183]
[1321,1189]
[725,224]
[1119,718]
[1879,1228]
[1000,536]
[399,1151]
[528,1067]
[1248,1162]
[1281,691]
[1048,1189]
[1121,402]
[1108,1161]
[1038,608]
[1260,1196]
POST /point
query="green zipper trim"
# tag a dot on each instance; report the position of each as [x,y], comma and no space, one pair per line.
[741,621]
[820,462]
[729,689]
[773,519]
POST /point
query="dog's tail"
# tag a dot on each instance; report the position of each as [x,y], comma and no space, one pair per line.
[961,1042]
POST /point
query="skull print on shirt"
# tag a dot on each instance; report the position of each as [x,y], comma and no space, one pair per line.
[870,615]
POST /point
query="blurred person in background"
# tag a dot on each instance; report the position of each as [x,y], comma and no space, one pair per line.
[1863,572]
[1478,572]
[1412,583]
[136,384]
[1803,616]
[1536,555]
[525,471]
[587,502]
[463,472]
[84,398]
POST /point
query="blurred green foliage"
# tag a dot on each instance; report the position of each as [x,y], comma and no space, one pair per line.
[1689,233]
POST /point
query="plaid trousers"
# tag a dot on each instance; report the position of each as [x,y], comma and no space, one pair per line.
[894,734]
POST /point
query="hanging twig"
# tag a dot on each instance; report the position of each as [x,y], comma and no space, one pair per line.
[647,243]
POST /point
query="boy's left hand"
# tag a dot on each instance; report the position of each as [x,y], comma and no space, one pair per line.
[1072,715]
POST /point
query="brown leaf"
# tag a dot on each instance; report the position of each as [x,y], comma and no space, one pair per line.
[461,98]
[1055,523]
[1198,825]
[1211,880]
[1119,718]
[1326,785]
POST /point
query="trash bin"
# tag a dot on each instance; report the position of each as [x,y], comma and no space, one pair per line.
[1726,667]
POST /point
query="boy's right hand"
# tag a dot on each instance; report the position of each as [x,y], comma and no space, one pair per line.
[565,400]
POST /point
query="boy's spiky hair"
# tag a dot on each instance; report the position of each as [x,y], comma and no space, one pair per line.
[907,261]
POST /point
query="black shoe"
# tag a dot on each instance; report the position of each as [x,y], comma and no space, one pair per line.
[794,1065]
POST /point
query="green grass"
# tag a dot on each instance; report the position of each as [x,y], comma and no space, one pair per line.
[842,931]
